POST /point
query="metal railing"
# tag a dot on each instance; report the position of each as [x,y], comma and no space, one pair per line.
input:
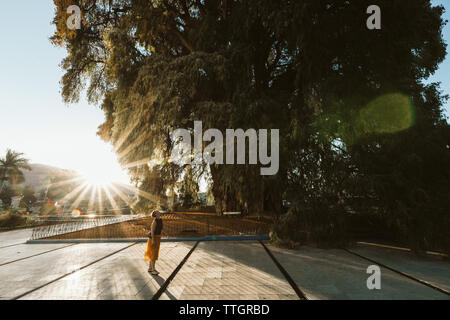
[138,226]
[54,225]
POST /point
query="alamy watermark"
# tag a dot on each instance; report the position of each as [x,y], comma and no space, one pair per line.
[214,152]
[374,281]
[373,22]
[74,20]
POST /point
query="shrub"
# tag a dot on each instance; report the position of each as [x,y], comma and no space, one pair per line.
[320,225]
[12,219]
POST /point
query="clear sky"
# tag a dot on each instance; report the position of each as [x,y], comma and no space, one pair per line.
[443,74]
[33,118]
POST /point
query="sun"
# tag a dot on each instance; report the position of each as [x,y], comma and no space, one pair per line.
[101,168]
[99,176]
[103,175]
[98,180]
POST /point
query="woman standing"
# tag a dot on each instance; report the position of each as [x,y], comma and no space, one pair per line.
[153,242]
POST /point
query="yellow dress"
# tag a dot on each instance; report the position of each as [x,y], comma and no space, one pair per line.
[152,253]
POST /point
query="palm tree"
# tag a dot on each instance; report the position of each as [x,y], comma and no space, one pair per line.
[11,167]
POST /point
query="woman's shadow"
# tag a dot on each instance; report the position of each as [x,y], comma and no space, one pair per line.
[160,280]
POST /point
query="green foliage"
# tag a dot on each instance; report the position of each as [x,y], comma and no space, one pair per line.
[6,196]
[189,189]
[28,198]
[12,219]
[325,225]
[11,167]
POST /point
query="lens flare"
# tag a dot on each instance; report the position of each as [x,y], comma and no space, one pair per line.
[75,213]
[388,114]
[353,121]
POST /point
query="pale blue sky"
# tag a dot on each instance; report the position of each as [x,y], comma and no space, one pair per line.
[33,118]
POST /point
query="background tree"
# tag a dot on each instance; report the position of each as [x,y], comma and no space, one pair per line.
[6,196]
[28,199]
[11,167]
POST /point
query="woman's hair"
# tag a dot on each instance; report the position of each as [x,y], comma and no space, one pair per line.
[154,213]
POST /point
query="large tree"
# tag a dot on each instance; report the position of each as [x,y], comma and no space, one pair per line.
[355,119]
